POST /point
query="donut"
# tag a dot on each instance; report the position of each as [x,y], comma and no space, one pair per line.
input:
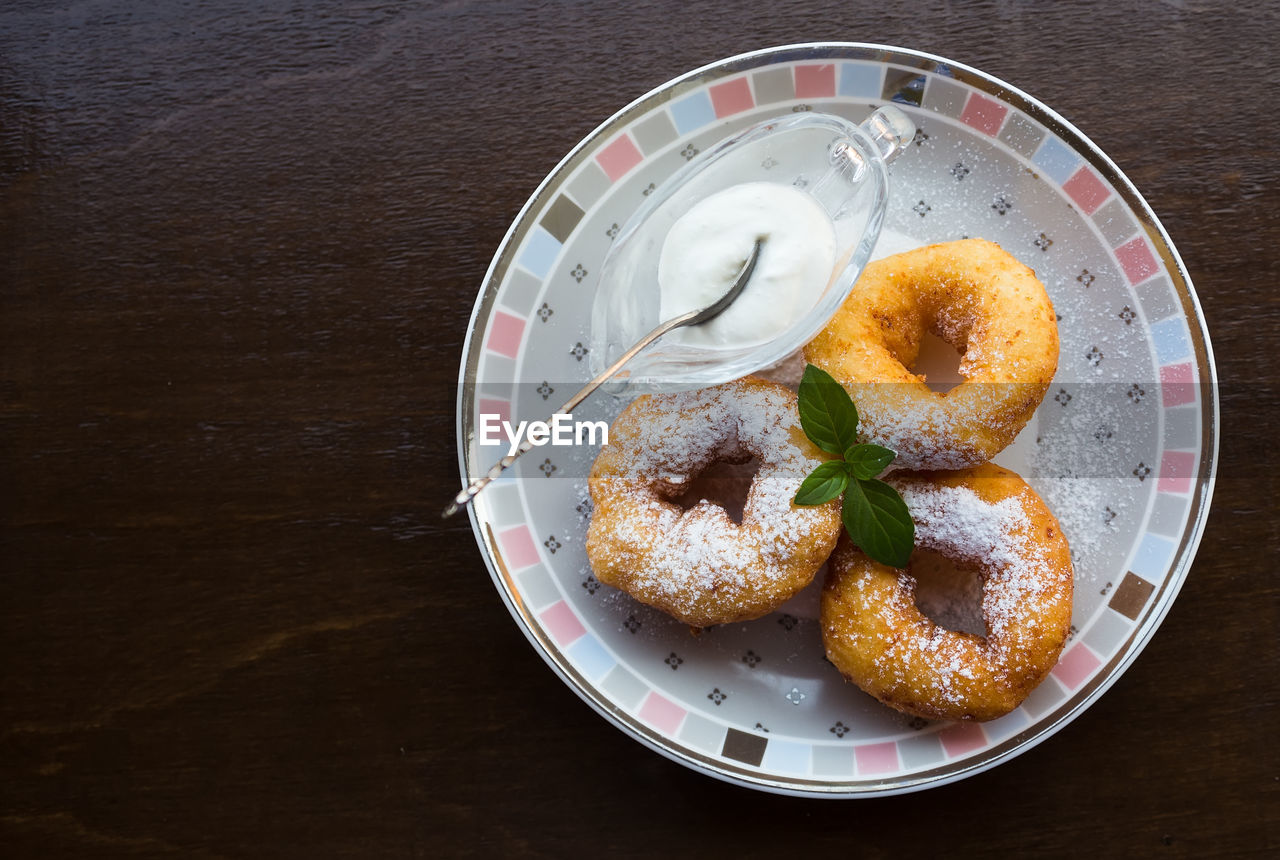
[698,565]
[985,519]
[984,303]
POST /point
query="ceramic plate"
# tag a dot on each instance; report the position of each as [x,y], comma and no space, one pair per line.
[1123,448]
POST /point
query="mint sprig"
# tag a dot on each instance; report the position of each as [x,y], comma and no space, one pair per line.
[874,515]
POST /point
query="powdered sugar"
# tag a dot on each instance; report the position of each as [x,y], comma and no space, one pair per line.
[678,557]
[952,430]
[956,522]
[988,525]
[948,593]
[916,430]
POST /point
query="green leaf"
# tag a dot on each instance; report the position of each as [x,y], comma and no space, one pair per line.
[867,461]
[827,413]
[874,514]
[823,484]
[878,522]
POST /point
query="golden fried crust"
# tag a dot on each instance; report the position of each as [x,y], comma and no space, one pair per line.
[698,565]
[986,517]
[975,296]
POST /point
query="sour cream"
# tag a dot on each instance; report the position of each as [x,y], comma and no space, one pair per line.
[708,245]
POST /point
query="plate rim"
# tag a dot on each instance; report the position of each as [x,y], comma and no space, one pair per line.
[1200,501]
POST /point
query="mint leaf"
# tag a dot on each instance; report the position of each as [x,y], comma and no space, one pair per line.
[878,521]
[874,514]
[823,484]
[827,413]
[866,461]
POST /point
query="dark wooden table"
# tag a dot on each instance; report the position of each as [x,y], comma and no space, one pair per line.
[239,245]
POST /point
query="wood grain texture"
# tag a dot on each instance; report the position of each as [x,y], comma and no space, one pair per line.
[239,246]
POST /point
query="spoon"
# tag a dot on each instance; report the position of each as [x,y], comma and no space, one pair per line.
[693,317]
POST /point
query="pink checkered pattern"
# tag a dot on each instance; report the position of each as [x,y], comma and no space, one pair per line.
[518,548]
[816,82]
[731,97]
[1087,190]
[876,758]
[962,738]
[561,623]
[1077,664]
[984,114]
[1136,260]
[1177,383]
[662,713]
[1177,468]
[504,334]
[617,159]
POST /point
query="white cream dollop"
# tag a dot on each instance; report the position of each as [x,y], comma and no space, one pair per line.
[708,245]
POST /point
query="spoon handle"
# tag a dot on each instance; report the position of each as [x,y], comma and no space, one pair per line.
[698,315]
[505,463]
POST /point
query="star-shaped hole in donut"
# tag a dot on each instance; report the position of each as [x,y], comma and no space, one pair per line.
[948,593]
[939,363]
[722,483]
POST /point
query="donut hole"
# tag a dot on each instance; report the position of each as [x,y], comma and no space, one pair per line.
[939,363]
[950,594]
[724,483]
